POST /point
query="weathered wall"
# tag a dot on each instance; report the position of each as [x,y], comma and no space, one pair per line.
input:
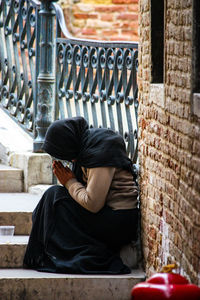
[102,19]
[169,147]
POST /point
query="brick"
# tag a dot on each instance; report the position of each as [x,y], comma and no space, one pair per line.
[79,23]
[194,131]
[127,16]
[196,182]
[127,32]
[98,24]
[89,31]
[85,16]
[107,17]
[109,32]
[177,124]
[82,7]
[196,148]
[128,25]
[121,38]
[195,163]
[133,8]
[124,1]
[110,9]
[187,175]
[94,2]
[153,233]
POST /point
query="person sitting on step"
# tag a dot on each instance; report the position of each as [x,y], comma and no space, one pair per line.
[79,226]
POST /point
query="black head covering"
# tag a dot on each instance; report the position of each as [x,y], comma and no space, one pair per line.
[72,139]
[63,139]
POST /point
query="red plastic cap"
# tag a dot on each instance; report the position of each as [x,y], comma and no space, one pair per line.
[167,278]
[163,286]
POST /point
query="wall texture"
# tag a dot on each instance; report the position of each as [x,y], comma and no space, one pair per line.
[169,146]
[102,19]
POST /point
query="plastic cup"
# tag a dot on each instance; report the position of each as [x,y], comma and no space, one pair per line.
[7,230]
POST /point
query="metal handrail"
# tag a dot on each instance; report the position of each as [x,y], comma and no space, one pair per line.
[18,67]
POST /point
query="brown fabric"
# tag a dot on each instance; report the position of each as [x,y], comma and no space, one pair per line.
[115,187]
[123,191]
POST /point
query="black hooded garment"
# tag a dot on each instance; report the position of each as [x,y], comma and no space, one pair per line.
[72,139]
[65,237]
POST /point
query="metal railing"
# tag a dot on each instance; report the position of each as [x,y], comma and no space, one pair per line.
[45,76]
[18,67]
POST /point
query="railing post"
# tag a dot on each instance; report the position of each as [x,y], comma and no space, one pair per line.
[45,111]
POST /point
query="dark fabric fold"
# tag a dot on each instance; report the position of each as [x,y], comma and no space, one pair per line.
[66,238]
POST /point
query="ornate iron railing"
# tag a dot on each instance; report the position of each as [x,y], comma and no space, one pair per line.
[42,79]
[19,27]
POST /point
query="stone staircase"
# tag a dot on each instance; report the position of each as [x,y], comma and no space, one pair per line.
[29,172]
[19,284]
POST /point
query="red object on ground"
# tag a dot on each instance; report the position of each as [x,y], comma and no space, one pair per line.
[165,286]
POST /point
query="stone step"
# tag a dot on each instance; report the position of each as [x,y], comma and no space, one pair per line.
[16,209]
[13,138]
[11,179]
[18,284]
[12,249]
[38,189]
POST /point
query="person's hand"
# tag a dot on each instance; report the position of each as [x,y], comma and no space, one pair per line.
[62,173]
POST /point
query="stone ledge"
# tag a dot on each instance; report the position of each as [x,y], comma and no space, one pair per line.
[33,285]
[196,104]
[11,179]
[36,167]
[13,240]
[16,209]
[156,95]
[18,202]
[7,169]
[25,273]
[21,220]
[12,249]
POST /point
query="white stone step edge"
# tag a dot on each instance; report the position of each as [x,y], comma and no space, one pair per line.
[26,273]
[28,284]
[14,240]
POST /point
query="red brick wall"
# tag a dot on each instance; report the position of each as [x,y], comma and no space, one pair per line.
[169,146]
[102,20]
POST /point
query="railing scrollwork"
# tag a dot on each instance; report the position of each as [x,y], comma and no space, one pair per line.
[18,26]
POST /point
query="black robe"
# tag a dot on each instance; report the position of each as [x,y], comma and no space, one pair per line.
[65,237]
